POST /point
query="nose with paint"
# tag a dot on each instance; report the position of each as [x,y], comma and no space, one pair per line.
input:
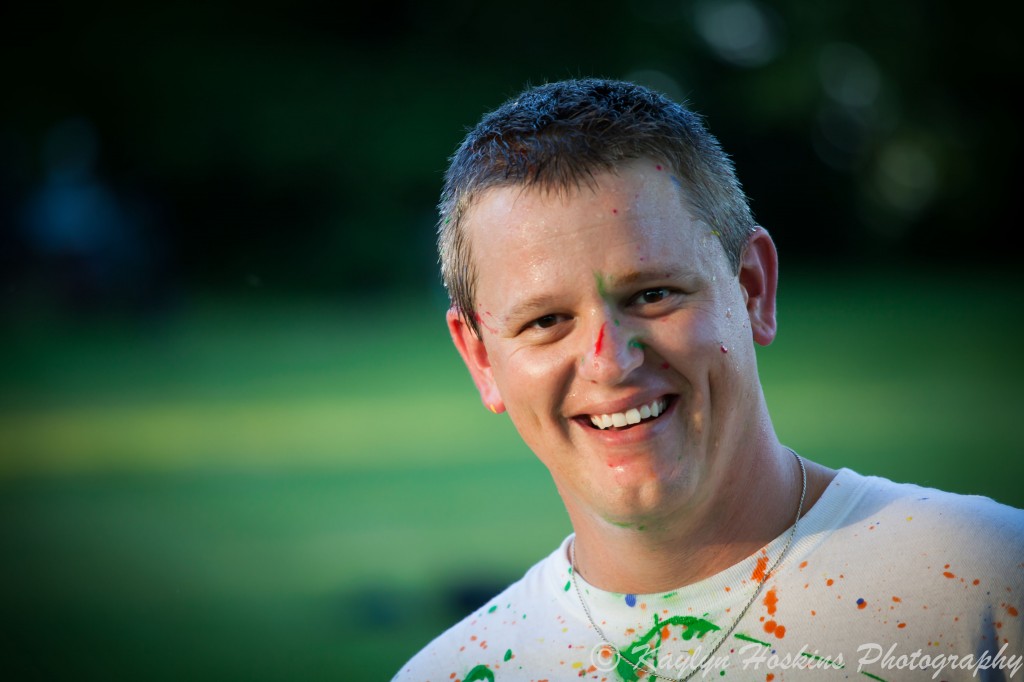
[612,354]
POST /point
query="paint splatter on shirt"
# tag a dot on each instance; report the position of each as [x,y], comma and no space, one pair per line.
[865,582]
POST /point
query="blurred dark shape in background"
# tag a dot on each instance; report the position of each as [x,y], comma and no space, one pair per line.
[300,147]
[89,249]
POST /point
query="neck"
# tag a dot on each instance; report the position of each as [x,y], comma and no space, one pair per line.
[749,510]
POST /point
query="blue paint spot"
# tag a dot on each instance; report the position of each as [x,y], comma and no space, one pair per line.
[630,600]
[860,601]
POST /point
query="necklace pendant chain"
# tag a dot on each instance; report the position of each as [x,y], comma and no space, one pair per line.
[760,584]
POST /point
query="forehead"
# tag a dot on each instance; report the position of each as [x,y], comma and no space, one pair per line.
[631,219]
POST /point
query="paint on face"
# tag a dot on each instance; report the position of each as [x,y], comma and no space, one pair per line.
[480,321]
[602,289]
[724,349]
[600,341]
[636,343]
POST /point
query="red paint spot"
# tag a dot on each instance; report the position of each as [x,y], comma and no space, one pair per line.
[658,167]
[600,341]
[976,582]
[724,349]
[615,211]
[480,321]
[664,365]
[1012,611]
[762,564]
[771,601]
[769,677]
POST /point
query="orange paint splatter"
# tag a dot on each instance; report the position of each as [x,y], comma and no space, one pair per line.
[814,613]
[902,625]
[829,582]
[762,564]
[803,564]
[861,603]
[948,574]
[665,632]
[1012,611]
[769,677]
[770,626]
[976,582]
[897,599]
[771,601]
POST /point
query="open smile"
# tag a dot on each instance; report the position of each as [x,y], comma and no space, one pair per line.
[632,416]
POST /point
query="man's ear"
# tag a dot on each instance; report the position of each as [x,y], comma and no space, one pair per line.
[474,354]
[759,277]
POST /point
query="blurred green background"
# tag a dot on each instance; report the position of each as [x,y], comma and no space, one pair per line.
[235,442]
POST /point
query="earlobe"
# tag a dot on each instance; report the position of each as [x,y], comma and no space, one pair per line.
[758,276]
[474,353]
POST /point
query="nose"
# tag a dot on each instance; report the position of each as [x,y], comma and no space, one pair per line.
[611,353]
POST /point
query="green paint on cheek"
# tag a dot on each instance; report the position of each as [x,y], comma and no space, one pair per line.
[602,291]
[636,343]
[481,672]
[508,655]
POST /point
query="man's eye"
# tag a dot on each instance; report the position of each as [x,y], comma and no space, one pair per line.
[545,322]
[652,295]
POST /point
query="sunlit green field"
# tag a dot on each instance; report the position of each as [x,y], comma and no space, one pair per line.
[290,490]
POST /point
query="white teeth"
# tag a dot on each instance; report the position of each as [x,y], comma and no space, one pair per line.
[631,416]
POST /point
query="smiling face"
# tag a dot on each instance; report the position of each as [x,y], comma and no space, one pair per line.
[616,335]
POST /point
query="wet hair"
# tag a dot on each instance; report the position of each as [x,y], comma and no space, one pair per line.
[559,136]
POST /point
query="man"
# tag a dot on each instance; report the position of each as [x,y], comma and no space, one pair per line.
[608,285]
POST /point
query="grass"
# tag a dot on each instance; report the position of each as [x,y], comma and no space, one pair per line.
[271,490]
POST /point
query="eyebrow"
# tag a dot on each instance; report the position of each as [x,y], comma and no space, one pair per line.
[530,306]
[648,275]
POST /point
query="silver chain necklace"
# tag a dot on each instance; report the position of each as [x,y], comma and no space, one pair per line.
[650,671]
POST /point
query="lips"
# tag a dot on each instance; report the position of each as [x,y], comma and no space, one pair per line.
[630,417]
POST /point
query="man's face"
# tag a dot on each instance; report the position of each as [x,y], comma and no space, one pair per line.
[619,340]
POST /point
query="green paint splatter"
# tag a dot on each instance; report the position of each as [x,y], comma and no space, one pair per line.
[492,609]
[747,638]
[508,655]
[602,291]
[568,584]
[636,343]
[481,672]
[874,677]
[694,627]
[721,673]
[669,595]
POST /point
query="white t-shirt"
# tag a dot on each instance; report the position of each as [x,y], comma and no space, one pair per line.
[882,581]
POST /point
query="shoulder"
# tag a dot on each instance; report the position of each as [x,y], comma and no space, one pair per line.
[976,514]
[490,638]
[897,523]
